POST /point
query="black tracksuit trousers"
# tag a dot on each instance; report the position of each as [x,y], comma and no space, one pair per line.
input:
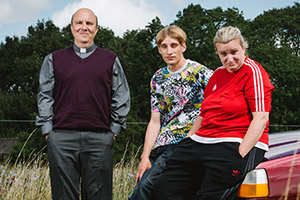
[205,171]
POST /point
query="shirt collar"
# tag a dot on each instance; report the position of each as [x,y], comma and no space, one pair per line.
[84,50]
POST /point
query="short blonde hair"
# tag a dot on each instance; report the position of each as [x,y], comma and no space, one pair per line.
[229,33]
[172,31]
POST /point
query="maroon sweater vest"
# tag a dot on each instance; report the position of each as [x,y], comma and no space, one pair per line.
[82,97]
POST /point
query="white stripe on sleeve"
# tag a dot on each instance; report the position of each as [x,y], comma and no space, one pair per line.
[258,85]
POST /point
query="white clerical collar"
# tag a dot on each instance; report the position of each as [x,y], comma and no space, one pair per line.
[84,50]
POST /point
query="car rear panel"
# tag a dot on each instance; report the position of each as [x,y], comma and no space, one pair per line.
[284,175]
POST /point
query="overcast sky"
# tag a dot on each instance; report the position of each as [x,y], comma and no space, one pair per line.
[119,15]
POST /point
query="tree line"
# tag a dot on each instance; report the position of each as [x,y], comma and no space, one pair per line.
[274,42]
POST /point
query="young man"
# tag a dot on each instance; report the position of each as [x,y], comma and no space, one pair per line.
[176,95]
[83,103]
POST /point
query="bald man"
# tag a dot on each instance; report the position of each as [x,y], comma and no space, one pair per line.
[83,103]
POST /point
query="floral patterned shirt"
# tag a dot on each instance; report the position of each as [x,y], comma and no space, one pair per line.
[178,96]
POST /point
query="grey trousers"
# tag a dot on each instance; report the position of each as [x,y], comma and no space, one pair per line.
[80,158]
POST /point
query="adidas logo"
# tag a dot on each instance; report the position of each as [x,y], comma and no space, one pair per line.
[235,172]
[215,87]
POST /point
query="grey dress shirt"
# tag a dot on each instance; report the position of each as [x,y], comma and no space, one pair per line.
[120,94]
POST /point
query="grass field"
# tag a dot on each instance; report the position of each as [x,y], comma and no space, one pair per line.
[31,180]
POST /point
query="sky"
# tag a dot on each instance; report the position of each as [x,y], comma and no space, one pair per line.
[119,15]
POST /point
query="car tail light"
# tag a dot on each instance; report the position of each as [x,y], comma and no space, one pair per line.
[255,184]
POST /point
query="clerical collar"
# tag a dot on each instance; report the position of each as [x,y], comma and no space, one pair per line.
[84,50]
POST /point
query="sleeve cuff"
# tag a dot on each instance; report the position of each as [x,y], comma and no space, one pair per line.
[46,128]
[115,128]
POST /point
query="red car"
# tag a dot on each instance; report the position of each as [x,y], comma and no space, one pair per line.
[278,176]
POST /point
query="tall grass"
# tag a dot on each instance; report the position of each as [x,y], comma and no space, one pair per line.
[31,181]
[26,181]
[124,177]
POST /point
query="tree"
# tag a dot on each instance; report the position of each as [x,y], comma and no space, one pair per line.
[283,68]
[201,25]
[274,42]
[278,28]
[140,59]
[14,107]
[20,64]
